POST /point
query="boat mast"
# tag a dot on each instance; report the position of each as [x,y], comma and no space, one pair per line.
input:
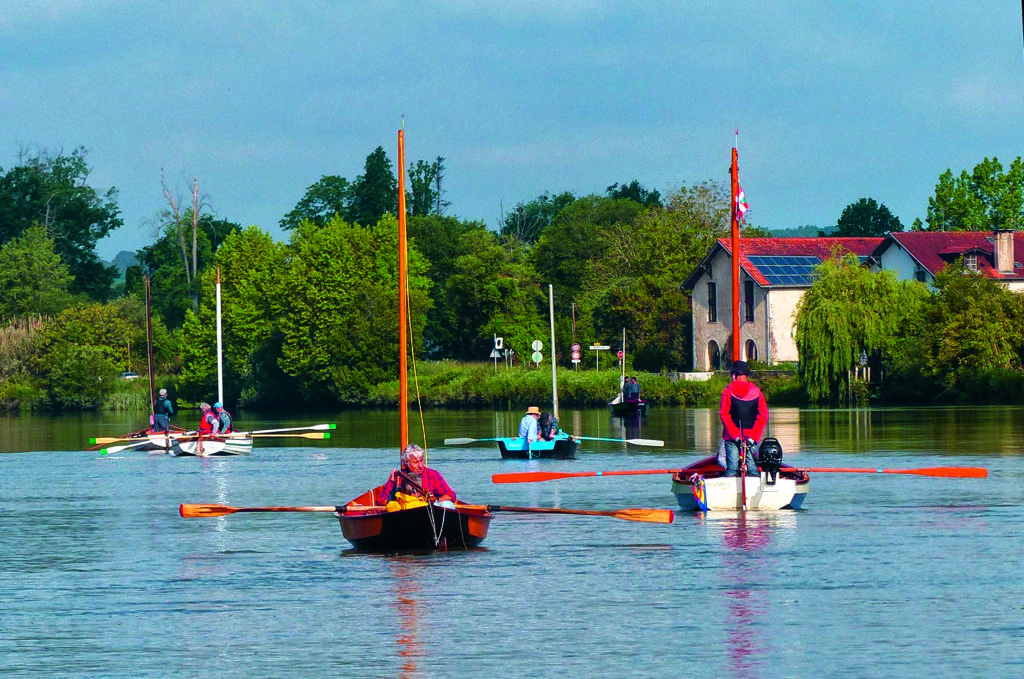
[149,348]
[403,379]
[554,368]
[734,180]
[220,347]
[622,380]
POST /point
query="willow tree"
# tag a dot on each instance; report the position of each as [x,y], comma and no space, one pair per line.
[849,310]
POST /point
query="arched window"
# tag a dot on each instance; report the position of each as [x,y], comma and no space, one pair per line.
[714,356]
[751,351]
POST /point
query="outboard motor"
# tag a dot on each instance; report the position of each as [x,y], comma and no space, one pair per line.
[769,459]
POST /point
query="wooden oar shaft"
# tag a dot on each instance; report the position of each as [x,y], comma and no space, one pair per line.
[633,514]
[954,472]
[192,511]
[532,477]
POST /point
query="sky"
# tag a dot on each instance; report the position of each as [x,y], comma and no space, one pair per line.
[834,101]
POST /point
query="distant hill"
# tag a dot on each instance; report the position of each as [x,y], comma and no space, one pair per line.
[806,231]
[123,260]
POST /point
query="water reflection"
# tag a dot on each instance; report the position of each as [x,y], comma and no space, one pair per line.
[407,605]
[745,564]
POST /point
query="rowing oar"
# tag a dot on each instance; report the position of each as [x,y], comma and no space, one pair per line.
[459,442]
[952,472]
[648,515]
[194,511]
[635,442]
[118,449]
[313,427]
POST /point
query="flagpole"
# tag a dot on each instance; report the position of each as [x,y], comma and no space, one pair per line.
[734,181]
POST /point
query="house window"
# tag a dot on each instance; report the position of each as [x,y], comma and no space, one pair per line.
[714,356]
[920,275]
[971,262]
[748,301]
[751,350]
[712,302]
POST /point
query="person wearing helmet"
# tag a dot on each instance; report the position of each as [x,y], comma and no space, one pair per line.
[223,417]
[744,414]
[162,411]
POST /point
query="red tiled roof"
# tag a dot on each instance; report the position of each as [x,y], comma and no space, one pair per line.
[822,248]
[935,249]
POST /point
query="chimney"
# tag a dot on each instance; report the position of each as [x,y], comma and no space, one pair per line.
[1004,251]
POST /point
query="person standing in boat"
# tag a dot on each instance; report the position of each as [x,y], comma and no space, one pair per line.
[744,413]
[528,427]
[223,417]
[415,472]
[162,411]
[209,425]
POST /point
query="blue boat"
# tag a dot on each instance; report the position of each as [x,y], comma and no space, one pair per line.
[562,447]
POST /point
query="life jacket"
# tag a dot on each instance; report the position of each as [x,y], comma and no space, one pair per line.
[403,501]
[225,421]
[206,423]
[160,406]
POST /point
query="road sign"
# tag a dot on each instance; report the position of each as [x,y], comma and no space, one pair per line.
[595,347]
[576,355]
[537,356]
[495,354]
[499,343]
[537,345]
[575,347]
[621,354]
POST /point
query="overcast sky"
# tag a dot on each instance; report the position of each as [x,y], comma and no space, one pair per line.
[834,101]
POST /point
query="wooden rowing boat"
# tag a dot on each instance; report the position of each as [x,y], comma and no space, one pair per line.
[430,526]
[209,446]
[789,491]
[371,528]
[634,407]
[562,447]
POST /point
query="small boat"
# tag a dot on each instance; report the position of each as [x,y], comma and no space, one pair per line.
[372,528]
[429,527]
[208,446]
[562,447]
[634,407]
[704,480]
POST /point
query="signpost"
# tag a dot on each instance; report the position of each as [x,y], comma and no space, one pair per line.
[576,355]
[599,348]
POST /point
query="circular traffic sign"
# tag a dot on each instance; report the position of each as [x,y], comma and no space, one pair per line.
[537,357]
[621,354]
[575,355]
[575,347]
[537,345]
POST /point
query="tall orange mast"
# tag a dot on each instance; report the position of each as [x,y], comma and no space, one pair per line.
[403,274]
[734,180]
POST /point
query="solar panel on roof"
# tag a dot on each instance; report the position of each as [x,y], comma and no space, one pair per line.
[786,269]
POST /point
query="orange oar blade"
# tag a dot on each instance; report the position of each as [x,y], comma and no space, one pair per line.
[194,511]
[532,477]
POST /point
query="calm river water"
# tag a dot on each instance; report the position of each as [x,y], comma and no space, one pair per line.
[880,575]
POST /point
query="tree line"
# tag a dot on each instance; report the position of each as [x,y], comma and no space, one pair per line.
[313,320]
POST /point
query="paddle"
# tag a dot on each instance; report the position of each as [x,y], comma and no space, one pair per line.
[315,427]
[118,449]
[635,442]
[193,511]
[648,515]
[461,441]
[317,435]
[951,472]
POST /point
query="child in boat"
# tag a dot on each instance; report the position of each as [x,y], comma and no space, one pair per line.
[414,476]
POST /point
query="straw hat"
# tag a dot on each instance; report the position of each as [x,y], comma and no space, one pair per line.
[533,410]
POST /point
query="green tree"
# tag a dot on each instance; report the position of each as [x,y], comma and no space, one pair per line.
[985,199]
[252,270]
[635,192]
[426,196]
[33,280]
[866,218]
[527,221]
[51,191]
[849,310]
[331,195]
[338,308]
[971,332]
[375,192]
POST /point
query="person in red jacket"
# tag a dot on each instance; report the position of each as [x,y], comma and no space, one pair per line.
[744,414]
[209,424]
